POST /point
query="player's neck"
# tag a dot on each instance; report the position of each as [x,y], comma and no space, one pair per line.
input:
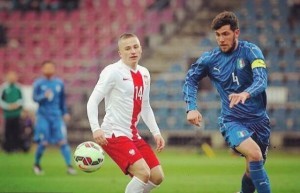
[132,66]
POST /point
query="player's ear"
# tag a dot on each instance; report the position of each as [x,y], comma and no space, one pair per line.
[237,33]
[119,53]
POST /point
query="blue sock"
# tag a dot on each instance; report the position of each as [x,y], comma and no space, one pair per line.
[259,177]
[66,152]
[39,153]
[247,185]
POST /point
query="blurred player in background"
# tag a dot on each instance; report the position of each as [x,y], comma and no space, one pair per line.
[11,102]
[125,85]
[49,93]
[238,71]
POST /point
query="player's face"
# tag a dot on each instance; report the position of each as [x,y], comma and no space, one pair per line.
[48,70]
[130,51]
[226,38]
[12,77]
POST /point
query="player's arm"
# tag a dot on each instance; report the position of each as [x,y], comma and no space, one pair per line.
[197,71]
[4,105]
[149,119]
[103,86]
[38,96]
[20,101]
[258,86]
[260,77]
[63,104]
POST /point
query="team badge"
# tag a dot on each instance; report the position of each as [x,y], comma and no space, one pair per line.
[146,80]
[242,134]
[240,63]
[58,88]
[131,152]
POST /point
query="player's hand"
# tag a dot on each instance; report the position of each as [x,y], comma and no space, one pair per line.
[13,106]
[160,142]
[67,117]
[99,137]
[236,98]
[194,117]
[49,94]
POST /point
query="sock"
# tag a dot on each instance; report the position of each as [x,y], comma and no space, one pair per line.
[135,186]
[66,152]
[39,153]
[149,186]
[259,177]
[247,185]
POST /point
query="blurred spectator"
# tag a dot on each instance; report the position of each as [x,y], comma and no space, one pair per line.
[11,102]
[27,118]
[39,5]
[6,5]
[160,5]
[294,15]
[3,38]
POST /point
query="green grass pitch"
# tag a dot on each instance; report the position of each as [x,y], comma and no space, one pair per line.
[186,171]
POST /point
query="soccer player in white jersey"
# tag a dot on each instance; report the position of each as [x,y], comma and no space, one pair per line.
[125,86]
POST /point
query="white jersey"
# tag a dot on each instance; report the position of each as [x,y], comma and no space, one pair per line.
[126,93]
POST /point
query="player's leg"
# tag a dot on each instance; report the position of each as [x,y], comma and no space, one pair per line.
[126,155]
[41,137]
[7,145]
[141,174]
[247,184]
[16,127]
[156,171]
[156,178]
[59,137]
[238,136]
[258,174]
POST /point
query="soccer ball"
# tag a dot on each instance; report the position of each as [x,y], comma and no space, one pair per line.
[89,156]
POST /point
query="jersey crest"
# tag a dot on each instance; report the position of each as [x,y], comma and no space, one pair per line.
[240,63]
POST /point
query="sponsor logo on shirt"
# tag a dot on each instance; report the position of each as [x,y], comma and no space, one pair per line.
[216,69]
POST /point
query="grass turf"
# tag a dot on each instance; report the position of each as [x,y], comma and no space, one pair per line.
[186,171]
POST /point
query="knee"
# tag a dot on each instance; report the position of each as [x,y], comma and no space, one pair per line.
[143,174]
[255,155]
[44,143]
[158,179]
[157,175]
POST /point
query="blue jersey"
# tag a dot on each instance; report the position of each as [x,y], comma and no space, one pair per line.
[243,69]
[55,105]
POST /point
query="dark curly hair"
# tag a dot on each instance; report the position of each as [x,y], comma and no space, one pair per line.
[225,18]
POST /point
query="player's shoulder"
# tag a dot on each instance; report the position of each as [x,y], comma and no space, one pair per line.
[38,80]
[248,45]
[143,69]
[58,80]
[208,56]
[111,68]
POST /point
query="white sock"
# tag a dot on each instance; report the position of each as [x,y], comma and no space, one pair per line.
[149,186]
[135,186]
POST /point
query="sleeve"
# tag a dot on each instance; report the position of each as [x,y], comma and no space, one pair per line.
[20,101]
[38,96]
[4,105]
[104,85]
[147,112]
[63,104]
[260,76]
[197,71]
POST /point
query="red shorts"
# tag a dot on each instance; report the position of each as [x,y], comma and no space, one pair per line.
[126,152]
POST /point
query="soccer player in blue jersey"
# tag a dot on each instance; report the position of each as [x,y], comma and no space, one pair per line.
[48,92]
[238,71]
